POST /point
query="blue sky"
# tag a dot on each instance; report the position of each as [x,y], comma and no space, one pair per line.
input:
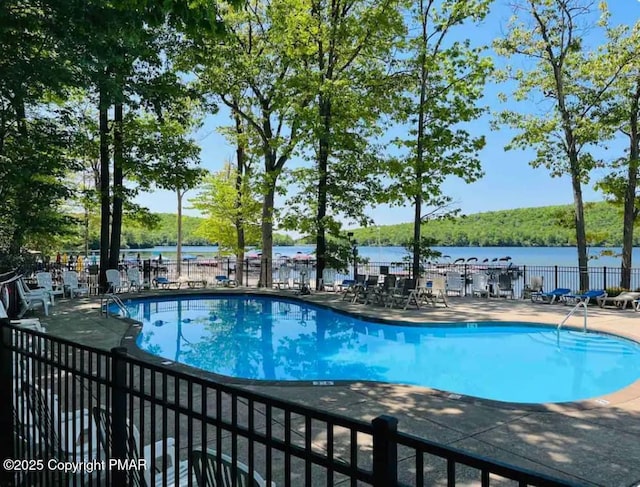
[509,180]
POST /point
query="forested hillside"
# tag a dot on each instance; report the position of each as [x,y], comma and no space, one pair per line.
[526,227]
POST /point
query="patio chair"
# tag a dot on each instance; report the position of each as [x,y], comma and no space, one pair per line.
[329,281]
[133,276]
[27,323]
[455,282]
[594,295]
[143,478]
[504,286]
[369,287]
[535,286]
[351,292]
[480,285]
[222,280]
[401,292]
[32,300]
[63,436]
[114,281]
[550,297]
[437,291]
[45,281]
[282,279]
[207,466]
[621,301]
[71,283]
[380,294]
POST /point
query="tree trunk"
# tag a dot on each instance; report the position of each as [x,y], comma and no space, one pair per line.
[105,203]
[240,174]
[630,210]
[118,187]
[323,163]
[581,237]
[266,261]
[179,243]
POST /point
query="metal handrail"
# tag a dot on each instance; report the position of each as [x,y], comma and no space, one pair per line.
[573,310]
[112,297]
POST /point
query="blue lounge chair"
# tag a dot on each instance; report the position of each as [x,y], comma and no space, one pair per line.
[595,295]
[550,297]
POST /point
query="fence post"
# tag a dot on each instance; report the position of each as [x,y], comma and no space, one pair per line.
[385,451]
[464,284]
[604,277]
[6,404]
[246,271]
[555,276]
[118,414]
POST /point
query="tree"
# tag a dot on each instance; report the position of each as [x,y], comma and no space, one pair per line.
[346,47]
[550,36]
[443,81]
[229,212]
[254,76]
[621,112]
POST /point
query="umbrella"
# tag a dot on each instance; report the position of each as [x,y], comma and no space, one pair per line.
[461,259]
[301,256]
[506,259]
[495,259]
[472,259]
[485,261]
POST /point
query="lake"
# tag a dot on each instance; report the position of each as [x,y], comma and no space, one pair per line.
[562,256]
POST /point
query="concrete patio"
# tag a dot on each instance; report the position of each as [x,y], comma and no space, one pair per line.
[592,442]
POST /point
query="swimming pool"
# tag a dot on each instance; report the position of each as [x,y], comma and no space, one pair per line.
[276,339]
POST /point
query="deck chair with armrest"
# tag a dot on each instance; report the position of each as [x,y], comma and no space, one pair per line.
[480,285]
[551,297]
[45,281]
[72,284]
[351,292]
[170,466]
[455,282]
[329,279]
[213,469]
[504,286]
[27,323]
[114,281]
[165,283]
[369,287]
[135,281]
[282,277]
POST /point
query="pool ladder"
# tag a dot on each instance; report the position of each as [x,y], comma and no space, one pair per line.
[581,304]
[110,297]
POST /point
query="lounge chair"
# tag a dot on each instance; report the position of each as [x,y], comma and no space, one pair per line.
[594,295]
[32,299]
[222,280]
[351,292]
[206,466]
[165,283]
[621,301]
[28,323]
[71,284]
[550,297]
[170,467]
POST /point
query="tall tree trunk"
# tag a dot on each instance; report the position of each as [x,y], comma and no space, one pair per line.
[323,163]
[417,216]
[179,243]
[630,209]
[240,174]
[581,236]
[105,200]
[266,260]
[118,187]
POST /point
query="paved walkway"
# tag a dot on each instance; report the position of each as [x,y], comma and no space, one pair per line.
[593,442]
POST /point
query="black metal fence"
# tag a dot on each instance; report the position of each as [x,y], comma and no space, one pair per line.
[206,270]
[83,416]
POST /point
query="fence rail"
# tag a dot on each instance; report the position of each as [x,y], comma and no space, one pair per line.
[71,403]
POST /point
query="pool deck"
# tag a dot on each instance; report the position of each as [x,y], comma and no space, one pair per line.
[590,443]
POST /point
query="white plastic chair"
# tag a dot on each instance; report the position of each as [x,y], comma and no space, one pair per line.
[71,282]
[480,286]
[329,279]
[135,282]
[45,281]
[170,468]
[32,300]
[114,281]
[284,273]
[206,466]
[454,282]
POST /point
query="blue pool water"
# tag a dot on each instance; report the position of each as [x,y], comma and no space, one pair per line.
[265,338]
